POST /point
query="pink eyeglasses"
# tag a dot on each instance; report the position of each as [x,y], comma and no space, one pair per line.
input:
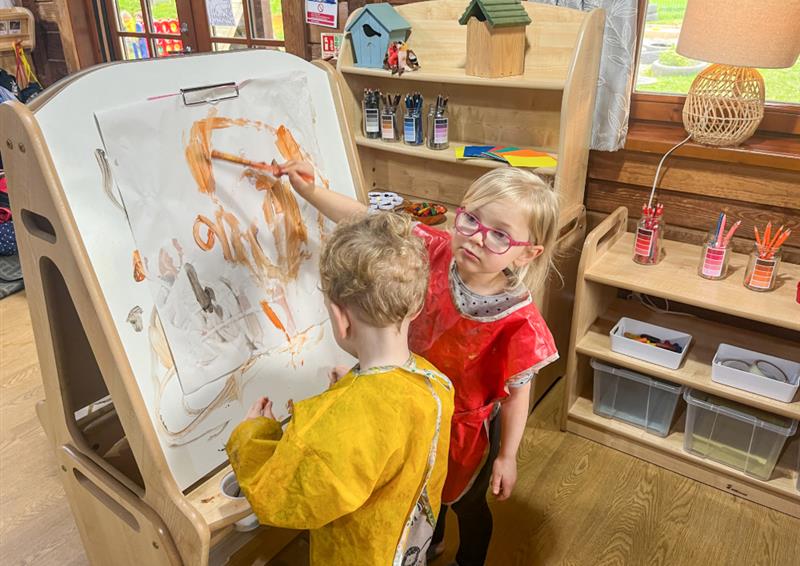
[495,241]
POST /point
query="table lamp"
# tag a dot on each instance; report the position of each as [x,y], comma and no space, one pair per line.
[725,103]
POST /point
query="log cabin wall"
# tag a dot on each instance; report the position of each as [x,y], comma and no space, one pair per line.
[758,182]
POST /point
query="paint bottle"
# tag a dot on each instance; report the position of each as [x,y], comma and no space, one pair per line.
[649,240]
[762,270]
[714,258]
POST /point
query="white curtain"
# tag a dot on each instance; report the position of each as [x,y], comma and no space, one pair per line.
[613,103]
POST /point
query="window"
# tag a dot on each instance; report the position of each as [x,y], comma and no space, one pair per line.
[238,24]
[141,29]
[663,71]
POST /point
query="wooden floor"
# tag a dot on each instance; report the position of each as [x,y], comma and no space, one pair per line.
[576,503]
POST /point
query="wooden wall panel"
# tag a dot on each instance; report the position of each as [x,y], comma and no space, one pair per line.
[694,191]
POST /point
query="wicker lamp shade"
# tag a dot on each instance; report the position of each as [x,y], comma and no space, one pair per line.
[725,103]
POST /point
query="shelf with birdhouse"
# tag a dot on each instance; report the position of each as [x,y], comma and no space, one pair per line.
[547,108]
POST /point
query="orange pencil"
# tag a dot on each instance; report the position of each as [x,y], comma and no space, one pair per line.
[758,240]
[777,235]
[767,231]
[779,242]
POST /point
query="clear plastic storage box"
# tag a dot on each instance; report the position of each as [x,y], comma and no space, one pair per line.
[634,398]
[738,436]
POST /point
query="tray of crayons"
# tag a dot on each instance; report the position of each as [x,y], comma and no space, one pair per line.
[427,212]
[655,344]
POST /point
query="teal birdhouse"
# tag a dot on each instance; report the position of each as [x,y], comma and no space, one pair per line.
[371,31]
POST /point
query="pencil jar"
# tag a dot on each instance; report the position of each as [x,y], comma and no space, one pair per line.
[714,258]
[438,128]
[389,129]
[371,110]
[762,270]
[649,241]
[413,133]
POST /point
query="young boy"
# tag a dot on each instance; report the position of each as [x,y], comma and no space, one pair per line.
[363,464]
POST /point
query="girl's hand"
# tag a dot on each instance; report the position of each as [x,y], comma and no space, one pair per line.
[336,374]
[504,476]
[261,408]
[301,176]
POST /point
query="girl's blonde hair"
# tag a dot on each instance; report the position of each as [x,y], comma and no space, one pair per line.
[526,190]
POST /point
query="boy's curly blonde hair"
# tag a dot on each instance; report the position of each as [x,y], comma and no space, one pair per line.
[536,197]
[375,265]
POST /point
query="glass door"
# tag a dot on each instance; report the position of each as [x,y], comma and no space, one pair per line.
[142,29]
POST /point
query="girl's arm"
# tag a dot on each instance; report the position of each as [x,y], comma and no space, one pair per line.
[335,206]
[513,417]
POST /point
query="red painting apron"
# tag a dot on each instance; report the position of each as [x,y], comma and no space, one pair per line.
[478,356]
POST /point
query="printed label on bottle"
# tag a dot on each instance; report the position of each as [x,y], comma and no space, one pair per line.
[713,262]
[763,274]
[387,127]
[644,242]
[371,120]
[440,130]
[410,129]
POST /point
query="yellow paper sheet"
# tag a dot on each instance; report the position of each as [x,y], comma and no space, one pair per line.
[521,161]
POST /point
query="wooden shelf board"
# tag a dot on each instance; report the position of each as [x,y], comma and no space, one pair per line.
[545,78]
[218,510]
[675,278]
[696,369]
[782,483]
[764,149]
[446,155]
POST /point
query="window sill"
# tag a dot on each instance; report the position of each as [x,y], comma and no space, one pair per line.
[764,149]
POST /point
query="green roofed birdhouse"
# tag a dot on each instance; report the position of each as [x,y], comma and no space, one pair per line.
[372,30]
[495,38]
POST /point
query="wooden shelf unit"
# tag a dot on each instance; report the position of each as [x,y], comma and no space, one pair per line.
[728,312]
[548,108]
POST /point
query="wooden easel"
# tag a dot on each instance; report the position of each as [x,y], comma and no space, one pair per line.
[126,503]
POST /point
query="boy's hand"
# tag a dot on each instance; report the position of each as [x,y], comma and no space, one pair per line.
[301,176]
[336,374]
[261,408]
[504,476]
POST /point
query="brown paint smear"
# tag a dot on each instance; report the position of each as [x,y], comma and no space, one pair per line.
[242,247]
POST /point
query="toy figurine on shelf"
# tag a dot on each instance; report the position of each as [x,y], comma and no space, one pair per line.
[390,60]
[647,246]
[399,58]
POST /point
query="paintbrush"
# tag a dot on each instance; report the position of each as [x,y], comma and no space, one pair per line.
[272,168]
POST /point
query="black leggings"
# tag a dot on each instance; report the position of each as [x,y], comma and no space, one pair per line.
[472,510]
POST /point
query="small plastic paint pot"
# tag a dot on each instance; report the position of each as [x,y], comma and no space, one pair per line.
[230,488]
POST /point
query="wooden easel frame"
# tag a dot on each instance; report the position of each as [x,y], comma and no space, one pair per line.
[131,511]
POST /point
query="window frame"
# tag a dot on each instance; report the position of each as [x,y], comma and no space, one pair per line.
[782,118]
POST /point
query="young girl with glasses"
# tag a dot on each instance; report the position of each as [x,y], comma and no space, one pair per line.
[480,328]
